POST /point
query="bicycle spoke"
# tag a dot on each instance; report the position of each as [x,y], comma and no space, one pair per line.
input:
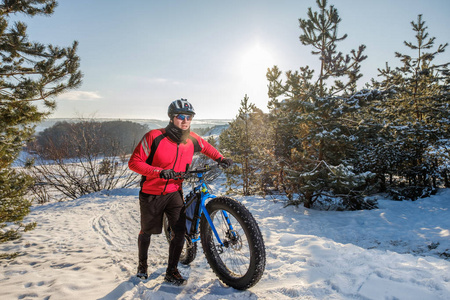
[235,253]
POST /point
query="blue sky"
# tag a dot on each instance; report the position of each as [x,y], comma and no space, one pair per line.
[137,56]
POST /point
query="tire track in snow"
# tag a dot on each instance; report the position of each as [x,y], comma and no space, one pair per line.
[114,227]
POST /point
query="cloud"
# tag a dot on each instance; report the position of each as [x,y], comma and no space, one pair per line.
[80,95]
[164,81]
[158,80]
[155,81]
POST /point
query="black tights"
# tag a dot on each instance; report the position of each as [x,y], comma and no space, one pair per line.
[175,246]
[177,242]
[143,244]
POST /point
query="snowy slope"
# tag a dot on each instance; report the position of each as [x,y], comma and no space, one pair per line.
[87,249]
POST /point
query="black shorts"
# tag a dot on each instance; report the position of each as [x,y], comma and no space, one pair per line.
[153,208]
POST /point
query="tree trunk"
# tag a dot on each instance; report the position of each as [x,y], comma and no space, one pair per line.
[308,199]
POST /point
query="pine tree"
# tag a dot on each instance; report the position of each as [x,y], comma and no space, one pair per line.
[416,113]
[29,73]
[313,117]
[242,140]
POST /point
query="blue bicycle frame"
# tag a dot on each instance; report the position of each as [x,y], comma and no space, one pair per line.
[205,195]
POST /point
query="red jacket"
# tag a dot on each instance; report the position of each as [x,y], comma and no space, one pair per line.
[156,152]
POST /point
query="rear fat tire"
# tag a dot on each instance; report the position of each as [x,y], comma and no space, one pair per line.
[253,240]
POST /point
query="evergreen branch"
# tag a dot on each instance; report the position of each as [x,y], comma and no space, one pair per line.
[30,7]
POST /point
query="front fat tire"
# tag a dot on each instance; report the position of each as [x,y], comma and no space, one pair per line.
[251,238]
[189,249]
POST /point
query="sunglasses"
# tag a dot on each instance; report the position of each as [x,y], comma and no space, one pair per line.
[184,117]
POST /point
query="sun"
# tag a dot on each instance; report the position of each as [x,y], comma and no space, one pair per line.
[254,62]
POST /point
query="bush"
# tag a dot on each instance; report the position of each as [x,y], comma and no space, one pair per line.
[81,158]
[411,192]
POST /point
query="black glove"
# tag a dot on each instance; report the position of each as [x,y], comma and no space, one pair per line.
[224,162]
[167,174]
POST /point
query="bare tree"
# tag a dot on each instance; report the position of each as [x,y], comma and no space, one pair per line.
[89,171]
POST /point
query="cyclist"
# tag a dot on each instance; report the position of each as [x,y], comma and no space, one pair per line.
[158,156]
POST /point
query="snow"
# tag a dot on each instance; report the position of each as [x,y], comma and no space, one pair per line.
[87,249]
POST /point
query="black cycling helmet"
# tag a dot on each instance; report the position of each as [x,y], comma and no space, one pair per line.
[181,106]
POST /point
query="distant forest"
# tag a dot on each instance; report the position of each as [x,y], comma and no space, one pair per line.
[68,140]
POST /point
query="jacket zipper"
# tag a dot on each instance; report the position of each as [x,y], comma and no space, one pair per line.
[176,158]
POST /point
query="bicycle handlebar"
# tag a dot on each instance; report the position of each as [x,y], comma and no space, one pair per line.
[206,168]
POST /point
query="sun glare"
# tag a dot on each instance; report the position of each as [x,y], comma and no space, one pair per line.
[253,65]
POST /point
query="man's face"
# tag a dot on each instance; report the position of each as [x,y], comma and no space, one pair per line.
[182,124]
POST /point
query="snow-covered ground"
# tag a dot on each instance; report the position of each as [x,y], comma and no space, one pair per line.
[87,249]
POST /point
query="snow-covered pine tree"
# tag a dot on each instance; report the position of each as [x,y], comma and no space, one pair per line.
[416,114]
[314,114]
[29,72]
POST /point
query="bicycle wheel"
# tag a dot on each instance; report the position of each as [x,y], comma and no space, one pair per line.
[240,262]
[189,251]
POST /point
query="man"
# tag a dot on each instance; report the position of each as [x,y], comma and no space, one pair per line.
[159,155]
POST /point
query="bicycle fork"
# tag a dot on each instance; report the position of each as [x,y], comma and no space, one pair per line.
[211,224]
